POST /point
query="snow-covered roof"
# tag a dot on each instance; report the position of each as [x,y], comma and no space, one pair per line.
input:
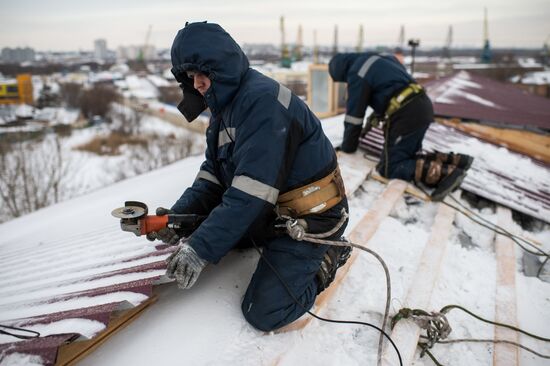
[472,97]
[120,68]
[533,78]
[295,67]
[105,76]
[157,81]
[30,126]
[141,88]
[500,175]
[528,62]
[84,276]
[75,251]
[7,113]
[24,111]
[57,115]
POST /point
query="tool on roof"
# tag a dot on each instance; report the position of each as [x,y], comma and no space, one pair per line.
[133,218]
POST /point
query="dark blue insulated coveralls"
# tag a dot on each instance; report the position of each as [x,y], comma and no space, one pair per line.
[261,141]
[372,80]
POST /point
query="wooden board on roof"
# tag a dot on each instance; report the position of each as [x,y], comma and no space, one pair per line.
[535,145]
[71,353]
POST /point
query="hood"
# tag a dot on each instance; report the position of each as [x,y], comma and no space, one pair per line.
[208,48]
[340,64]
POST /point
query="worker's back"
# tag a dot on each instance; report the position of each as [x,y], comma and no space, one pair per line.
[376,77]
[266,108]
[261,141]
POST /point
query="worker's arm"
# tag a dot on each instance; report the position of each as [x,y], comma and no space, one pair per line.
[204,194]
[265,145]
[358,99]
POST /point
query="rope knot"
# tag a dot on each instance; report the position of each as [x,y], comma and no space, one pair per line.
[295,230]
[435,323]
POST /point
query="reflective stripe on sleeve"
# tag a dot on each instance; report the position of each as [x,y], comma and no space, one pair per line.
[203,174]
[226,136]
[353,120]
[285,95]
[366,66]
[255,188]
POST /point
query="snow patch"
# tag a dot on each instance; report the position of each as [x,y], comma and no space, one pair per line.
[85,327]
[20,359]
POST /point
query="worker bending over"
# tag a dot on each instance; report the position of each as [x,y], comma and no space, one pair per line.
[402,106]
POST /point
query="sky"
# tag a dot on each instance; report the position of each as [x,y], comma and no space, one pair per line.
[65,25]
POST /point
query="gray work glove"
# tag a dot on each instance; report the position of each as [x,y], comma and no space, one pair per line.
[185,265]
[166,235]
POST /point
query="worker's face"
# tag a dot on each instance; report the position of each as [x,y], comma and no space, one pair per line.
[201,82]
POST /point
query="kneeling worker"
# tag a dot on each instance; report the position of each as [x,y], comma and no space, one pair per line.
[382,82]
[266,157]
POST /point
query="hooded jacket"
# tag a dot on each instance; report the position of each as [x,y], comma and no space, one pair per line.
[372,79]
[261,141]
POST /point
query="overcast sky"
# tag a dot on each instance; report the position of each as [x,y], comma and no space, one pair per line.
[75,24]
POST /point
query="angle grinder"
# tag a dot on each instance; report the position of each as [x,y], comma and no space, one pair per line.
[133,218]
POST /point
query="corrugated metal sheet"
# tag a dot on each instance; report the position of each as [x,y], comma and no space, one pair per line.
[476,98]
[502,176]
[70,288]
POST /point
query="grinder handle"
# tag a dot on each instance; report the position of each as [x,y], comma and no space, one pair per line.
[185,221]
[153,223]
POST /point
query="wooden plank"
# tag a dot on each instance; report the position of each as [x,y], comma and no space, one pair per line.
[505,301]
[411,188]
[361,234]
[72,353]
[525,142]
[406,333]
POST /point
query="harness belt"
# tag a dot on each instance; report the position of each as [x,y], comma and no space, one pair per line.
[315,197]
[396,102]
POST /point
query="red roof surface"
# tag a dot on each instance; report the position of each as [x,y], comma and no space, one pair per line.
[71,282]
[472,97]
[497,174]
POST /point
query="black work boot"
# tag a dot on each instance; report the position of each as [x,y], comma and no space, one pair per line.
[444,177]
[461,161]
[335,257]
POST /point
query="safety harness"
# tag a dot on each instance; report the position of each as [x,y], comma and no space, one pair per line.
[396,102]
[315,197]
[401,99]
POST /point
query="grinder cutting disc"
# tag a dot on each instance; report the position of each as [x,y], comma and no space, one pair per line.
[129,212]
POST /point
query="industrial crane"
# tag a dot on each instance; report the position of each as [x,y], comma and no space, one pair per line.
[359,47]
[143,50]
[448,43]
[285,54]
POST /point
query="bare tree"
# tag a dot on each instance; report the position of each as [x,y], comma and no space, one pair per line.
[156,153]
[70,94]
[31,176]
[126,121]
[97,100]
[170,94]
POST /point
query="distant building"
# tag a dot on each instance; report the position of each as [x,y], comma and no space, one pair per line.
[537,83]
[16,91]
[136,52]
[17,55]
[100,49]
